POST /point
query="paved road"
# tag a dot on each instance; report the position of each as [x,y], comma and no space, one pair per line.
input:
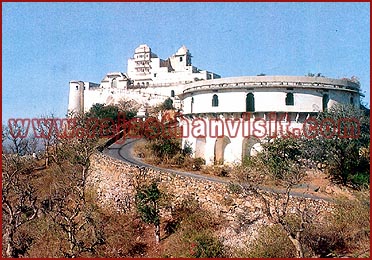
[124,152]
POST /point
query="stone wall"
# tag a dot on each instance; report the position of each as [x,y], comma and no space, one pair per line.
[116,182]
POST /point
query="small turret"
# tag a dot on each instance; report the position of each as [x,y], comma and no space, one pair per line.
[76,97]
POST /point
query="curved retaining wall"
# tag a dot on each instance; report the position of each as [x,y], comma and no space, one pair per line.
[115,182]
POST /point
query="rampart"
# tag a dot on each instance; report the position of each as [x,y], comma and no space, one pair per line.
[116,181]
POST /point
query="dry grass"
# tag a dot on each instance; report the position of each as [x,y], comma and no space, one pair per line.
[270,243]
[345,232]
[193,233]
[190,232]
[142,149]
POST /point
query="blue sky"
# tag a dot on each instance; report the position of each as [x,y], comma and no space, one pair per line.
[45,45]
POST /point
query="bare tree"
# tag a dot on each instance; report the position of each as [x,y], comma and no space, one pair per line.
[76,220]
[70,210]
[279,212]
[15,136]
[19,201]
[281,159]
[46,129]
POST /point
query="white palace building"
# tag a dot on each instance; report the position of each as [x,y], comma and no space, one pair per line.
[224,119]
[149,81]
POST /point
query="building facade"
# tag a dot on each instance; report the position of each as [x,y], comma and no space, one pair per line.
[149,81]
[224,119]
[227,119]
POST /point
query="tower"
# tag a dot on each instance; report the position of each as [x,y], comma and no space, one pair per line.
[181,61]
[139,67]
[76,97]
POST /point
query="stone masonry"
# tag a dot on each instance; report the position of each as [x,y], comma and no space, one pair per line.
[115,183]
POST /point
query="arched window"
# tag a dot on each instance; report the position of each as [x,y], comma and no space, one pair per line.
[172,93]
[325,102]
[289,100]
[77,87]
[114,83]
[352,100]
[192,103]
[215,101]
[249,103]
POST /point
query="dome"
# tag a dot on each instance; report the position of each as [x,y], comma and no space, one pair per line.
[182,51]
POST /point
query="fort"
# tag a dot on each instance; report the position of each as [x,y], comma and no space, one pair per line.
[149,81]
[204,95]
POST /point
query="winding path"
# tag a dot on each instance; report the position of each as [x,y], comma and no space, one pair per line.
[124,152]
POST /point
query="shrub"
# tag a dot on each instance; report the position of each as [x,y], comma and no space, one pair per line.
[223,172]
[197,163]
[193,232]
[271,242]
[346,157]
[165,148]
[206,246]
[281,159]
[120,229]
[178,159]
[360,179]
[167,104]
[147,202]
[345,230]
[234,188]
[187,150]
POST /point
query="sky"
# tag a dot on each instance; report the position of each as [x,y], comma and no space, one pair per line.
[46,45]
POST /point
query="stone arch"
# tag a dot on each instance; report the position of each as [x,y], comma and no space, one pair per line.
[219,149]
[200,147]
[250,146]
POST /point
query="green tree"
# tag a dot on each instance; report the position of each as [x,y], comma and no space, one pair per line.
[167,104]
[108,116]
[282,159]
[336,141]
[101,111]
[341,145]
[105,116]
[165,148]
[147,201]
